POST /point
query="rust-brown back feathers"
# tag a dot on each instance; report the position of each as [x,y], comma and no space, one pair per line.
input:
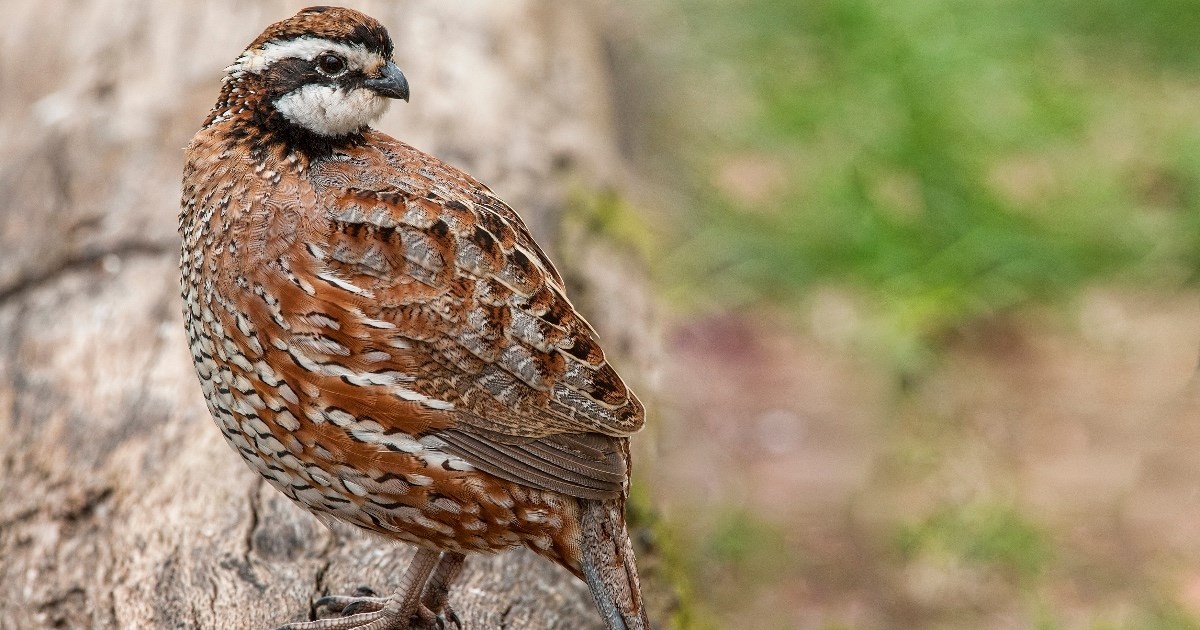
[379,335]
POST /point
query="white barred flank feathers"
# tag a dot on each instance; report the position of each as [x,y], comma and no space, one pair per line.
[344,284]
[396,441]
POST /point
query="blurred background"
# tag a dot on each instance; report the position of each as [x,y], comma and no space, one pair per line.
[924,275]
[929,271]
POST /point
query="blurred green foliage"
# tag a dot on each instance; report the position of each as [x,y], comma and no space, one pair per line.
[948,159]
[1157,614]
[936,163]
[744,543]
[1166,615]
[989,535]
[733,558]
[673,568]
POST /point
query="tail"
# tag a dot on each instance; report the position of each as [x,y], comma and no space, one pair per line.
[608,565]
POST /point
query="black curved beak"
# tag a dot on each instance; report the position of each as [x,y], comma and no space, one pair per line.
[391,82]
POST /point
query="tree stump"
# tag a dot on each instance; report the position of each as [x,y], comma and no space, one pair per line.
[122,506]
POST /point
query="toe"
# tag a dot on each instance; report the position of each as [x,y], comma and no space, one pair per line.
[450,614]
[355,622]
[362,606]
[425,618]
[350,605]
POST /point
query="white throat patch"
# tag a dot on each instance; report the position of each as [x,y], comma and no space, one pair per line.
[328,111]
[325,110]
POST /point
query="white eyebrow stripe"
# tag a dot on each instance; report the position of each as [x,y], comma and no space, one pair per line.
[303,48]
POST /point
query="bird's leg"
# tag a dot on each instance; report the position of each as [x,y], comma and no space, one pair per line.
[396,613]
[436,598]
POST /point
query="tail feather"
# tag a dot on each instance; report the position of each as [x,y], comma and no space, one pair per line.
[609,567]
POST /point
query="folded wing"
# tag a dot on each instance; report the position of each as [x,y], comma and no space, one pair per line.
[459,301]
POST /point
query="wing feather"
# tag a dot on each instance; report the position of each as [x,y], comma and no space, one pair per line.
[473,313]
[548,463]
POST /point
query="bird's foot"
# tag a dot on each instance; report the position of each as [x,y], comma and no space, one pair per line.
[382,619]
[435,599]
[379,619]
[437,620]
[365,611]
[363,600]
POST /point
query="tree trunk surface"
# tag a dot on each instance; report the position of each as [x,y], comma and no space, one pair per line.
[122,506]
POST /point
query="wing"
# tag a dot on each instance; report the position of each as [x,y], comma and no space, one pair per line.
[456,296]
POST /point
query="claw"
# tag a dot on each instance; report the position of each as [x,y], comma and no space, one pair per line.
[347,606]
[361,606]
[329,601]
[425,617]
[365,591]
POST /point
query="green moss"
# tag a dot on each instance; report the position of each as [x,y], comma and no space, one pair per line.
[1166,615]
[672,572]
[708,567]
[988,535]
[606,212]
[744,543]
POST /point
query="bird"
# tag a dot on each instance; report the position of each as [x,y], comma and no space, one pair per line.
[381,338]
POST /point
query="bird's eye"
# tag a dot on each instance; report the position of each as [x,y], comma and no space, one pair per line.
[331,65]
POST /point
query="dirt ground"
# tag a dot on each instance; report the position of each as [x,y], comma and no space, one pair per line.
[1043,471]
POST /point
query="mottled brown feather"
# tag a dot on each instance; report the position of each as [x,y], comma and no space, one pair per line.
[380,337]
[483,308]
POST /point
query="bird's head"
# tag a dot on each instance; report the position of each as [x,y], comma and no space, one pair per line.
[327,70]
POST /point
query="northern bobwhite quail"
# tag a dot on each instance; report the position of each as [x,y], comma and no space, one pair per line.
[381,338]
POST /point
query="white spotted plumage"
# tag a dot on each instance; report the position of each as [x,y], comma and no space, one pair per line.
[380,337]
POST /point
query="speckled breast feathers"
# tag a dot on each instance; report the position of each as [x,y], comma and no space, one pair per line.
[373,328]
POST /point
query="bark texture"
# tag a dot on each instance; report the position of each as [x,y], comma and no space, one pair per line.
[121,506]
